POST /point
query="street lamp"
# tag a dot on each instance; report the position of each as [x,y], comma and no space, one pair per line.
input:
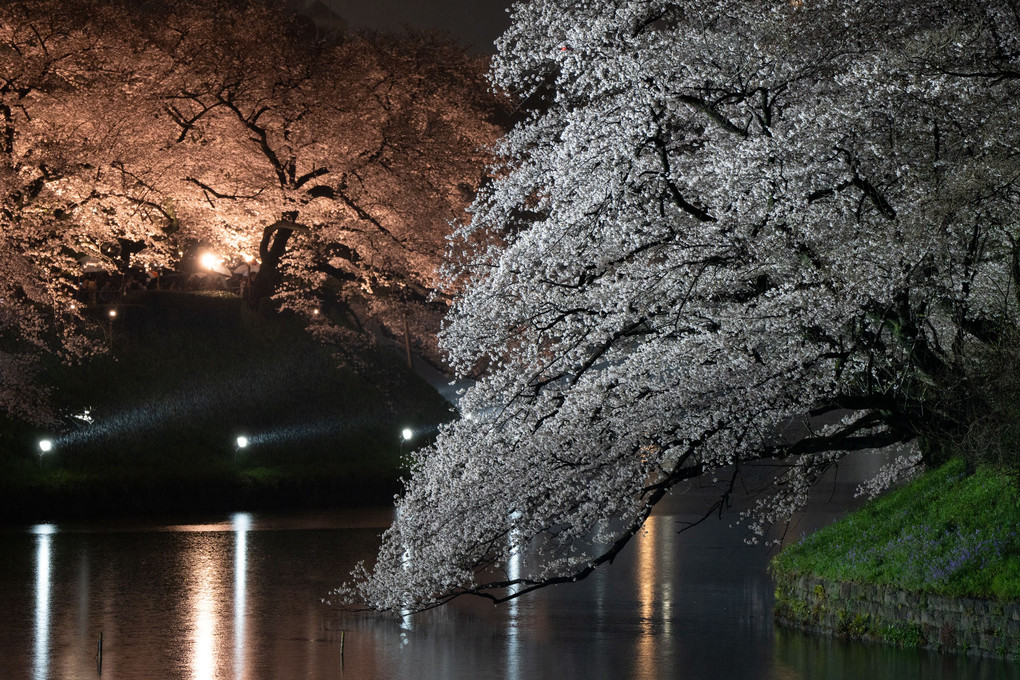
[405,436]
[45,446]
[240,443]
[209,260]
[110,316]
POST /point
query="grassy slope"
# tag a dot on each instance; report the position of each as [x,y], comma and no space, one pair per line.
[191,372]
[947,533]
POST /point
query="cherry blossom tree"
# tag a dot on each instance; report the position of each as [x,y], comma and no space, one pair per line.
[714,220]
[175,125]
[49,149]
[339,165]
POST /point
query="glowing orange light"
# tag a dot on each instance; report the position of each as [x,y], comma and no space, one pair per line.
[209,260]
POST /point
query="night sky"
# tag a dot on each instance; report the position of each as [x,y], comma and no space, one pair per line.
[476,23]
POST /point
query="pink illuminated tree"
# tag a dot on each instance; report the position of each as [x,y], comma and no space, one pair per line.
[337,165]
[164,128]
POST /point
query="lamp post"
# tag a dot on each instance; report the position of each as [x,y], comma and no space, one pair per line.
[45,446]
[209,260]
[110,316]
[240,443]
[405,436]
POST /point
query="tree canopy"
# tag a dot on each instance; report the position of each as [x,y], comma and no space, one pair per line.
[715,218]
[140,134]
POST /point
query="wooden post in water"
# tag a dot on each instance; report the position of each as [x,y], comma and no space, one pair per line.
[342,644]
[99,654]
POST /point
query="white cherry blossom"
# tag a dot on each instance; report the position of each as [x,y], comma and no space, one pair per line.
[713,219]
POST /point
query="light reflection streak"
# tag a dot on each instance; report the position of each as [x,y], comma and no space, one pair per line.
[513,641]
[647,579]
[406,622]
[203,658]
[241,523]
[667,548]
[43,576]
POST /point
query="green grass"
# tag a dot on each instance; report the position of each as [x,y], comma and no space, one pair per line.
[188,374]
[947,533]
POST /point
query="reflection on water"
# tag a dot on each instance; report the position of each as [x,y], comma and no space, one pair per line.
[203,599]
[241,523]
[41,659]
[513,616]
[647,576]
[239,598]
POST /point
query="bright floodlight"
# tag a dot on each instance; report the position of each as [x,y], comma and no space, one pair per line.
[112,313]
[242,442]
[209,260]
[45,445]
[407,433]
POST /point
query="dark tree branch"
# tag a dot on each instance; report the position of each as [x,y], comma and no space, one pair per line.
[305,178]
[866,187]
[701,214]
[209,190]
[186,123]
[260,136]
[341,193]
[716,117]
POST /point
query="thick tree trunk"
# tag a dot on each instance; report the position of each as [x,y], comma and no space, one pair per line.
[271,250]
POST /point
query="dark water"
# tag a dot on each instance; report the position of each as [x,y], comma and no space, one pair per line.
[238,597]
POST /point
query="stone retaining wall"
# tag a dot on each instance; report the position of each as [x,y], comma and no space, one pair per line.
[870,612]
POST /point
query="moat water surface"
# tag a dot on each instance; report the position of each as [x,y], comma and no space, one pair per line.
[239,597]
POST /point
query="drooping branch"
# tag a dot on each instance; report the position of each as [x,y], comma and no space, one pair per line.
[514,588]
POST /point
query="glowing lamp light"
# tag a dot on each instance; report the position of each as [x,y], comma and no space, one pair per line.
[112,313]
[406,434]
[45,446]
[240,443]
[209,260]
